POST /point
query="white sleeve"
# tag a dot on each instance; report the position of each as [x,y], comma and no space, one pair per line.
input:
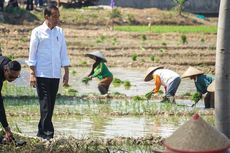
[64,55]
[34,41]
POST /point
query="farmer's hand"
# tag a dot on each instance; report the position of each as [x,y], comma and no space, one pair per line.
[8,135]
[33,80]
[66,80]
[149,94]
[86,79]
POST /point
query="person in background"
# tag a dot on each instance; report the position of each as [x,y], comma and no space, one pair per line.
[169,79]
[9,70]
[101,71]
[202,82]
[47,55]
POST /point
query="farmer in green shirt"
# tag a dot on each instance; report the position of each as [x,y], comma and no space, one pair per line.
[101,71]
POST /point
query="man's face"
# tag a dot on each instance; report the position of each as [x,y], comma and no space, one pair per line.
[11,75]
[53,19]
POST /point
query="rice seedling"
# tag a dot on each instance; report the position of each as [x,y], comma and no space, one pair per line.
[164,44]
[117,82]
[73,72]
[127,84]
[202,40]
[184,39]
[152,58]
[134,57]
[162,50]
[196,97]
[143,37]
[70,91]
[138,98]
[100,39]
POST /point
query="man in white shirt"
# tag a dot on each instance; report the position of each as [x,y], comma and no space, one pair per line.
[48,53]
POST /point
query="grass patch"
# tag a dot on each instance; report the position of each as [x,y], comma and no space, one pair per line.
[168,29]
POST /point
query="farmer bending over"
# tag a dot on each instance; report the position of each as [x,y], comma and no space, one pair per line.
[165,77]
[101,71]
[202,82]
[9,70]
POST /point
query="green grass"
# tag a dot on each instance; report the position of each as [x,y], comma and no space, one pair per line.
[168,29]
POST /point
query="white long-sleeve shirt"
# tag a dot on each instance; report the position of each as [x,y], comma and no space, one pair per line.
[48,51]
[166,76]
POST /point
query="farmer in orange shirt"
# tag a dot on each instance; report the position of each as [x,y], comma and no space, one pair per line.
[165,77]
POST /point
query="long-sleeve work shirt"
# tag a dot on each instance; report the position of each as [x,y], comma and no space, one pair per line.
[48,51]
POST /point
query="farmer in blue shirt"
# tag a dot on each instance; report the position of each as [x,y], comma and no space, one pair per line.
[202,82]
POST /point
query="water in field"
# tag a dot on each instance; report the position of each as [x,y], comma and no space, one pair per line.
[107,118]
[134,76]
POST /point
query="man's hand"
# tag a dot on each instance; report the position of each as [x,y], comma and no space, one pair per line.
[8,135]
[66,80]
[33,80]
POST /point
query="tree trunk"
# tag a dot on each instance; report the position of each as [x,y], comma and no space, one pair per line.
[222,92]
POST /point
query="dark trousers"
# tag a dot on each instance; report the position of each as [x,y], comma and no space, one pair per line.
[209,100]
[1,5]
[47,90]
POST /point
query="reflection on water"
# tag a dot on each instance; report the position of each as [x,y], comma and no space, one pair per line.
[110,128]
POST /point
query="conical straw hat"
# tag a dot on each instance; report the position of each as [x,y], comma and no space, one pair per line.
[97,54]
[211,87]
[196,136]
[191,71]
[150,71]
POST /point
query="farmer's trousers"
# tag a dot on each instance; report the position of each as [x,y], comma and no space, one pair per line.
[209,100]
[1,5]
[172,87]
[104,84]
[47,89]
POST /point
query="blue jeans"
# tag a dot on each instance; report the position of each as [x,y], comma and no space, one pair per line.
[172,87]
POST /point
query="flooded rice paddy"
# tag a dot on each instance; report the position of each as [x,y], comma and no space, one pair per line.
[135,77]
[86,114]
